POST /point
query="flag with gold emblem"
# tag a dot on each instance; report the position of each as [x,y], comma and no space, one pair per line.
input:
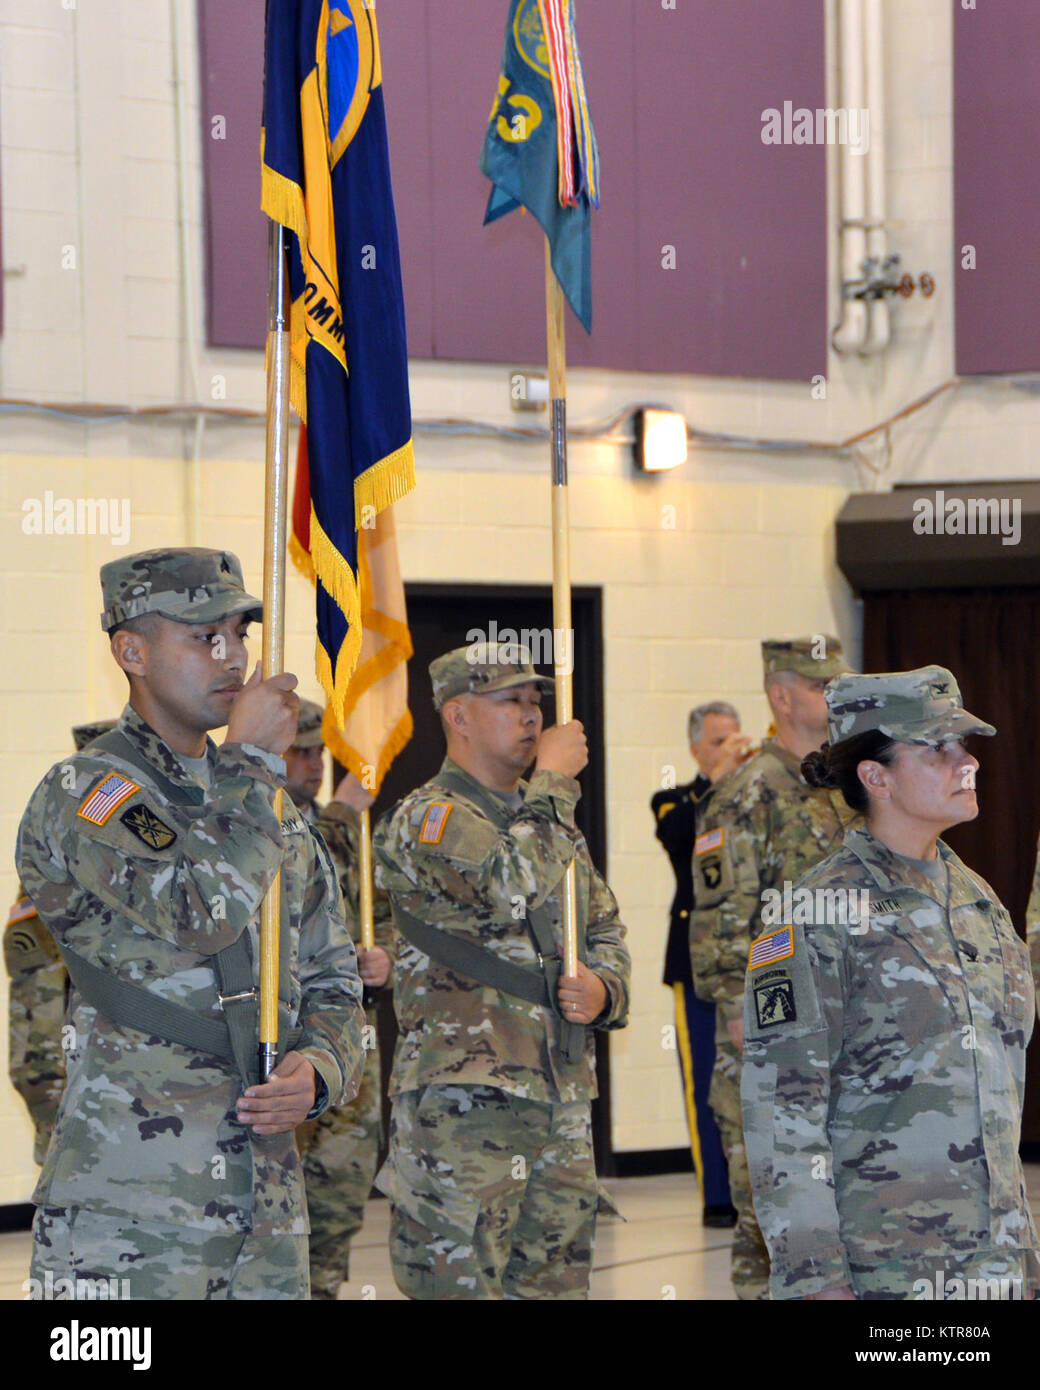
[326,177]
[540,150]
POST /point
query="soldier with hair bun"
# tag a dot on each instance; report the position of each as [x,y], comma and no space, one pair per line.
[886,1023]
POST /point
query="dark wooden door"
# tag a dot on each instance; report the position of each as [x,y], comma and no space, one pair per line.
[443,616]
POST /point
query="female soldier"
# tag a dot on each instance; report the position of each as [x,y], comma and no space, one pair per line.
[886,1021]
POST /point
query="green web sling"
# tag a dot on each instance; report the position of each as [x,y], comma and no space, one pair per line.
[536,986]
[232,1038]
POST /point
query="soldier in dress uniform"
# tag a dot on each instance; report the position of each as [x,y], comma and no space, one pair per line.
[716,745]
[763,828]
[491,1173]
[887,1018]
[147,856]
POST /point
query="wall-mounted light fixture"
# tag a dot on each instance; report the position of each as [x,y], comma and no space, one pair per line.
[660,441]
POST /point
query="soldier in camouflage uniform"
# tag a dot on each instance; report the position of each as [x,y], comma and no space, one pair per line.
[764,827]
[340,1150]
[491,1173]
[1033,925]
[38,993]
[887,1021]
[147,856]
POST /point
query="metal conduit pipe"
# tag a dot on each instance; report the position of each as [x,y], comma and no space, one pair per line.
[879,322]
[851,332]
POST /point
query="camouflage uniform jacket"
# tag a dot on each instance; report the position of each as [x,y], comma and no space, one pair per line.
[896,1062]
[470,878]
[36,1012]
[1033,926]
[150,889]
[338,825]
[764,827]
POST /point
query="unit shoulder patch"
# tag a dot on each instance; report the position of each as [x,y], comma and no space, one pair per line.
[21,911]
[109,794]
[148,828]
[664,808]
[774,1002]
[434,821]
[768,949]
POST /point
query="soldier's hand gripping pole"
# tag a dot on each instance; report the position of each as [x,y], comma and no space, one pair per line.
[275,536]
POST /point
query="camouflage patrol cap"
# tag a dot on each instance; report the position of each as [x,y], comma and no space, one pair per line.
[818,657]
[922,706]
[83,734]
[482,667]
[189,585]
[308,726]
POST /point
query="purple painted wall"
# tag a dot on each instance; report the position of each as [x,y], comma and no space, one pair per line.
[231,80]
[996,181]
[677,99]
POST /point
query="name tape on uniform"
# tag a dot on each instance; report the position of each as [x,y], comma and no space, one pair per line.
[434,821]
[711,839]
[778,945]
[106,797]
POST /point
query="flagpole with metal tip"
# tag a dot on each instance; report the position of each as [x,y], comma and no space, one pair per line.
[563,646]
[273,659]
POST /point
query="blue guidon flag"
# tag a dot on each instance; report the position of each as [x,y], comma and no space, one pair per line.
[540,151]
[325,173]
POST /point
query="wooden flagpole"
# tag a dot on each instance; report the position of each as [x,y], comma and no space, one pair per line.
[275,538]
[563,646]
[368,931]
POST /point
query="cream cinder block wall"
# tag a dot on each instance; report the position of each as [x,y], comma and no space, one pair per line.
[101,216]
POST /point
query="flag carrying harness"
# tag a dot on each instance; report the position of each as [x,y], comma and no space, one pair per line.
[232,1038]
[483,965]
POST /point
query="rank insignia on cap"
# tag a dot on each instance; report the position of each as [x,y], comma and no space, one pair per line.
[711,839]
[774,1003]
[435,820]
[104,799]
[767,950]
[148,827]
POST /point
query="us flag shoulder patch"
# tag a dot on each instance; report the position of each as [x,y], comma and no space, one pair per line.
[434,821]
[106,797]
[711,839]
[778,945]
[21,912]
